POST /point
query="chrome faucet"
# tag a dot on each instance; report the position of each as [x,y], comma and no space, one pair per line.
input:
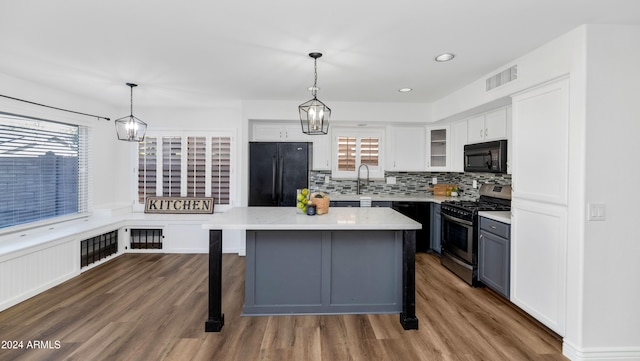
[366,166]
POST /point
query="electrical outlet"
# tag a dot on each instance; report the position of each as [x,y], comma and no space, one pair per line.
[327,179]
[475,184]
[434,180]
[391,180]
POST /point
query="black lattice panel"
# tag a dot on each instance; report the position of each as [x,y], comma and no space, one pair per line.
[97,248]
[146,238]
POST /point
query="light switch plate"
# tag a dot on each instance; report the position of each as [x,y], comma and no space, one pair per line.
[391,180]
[596,212]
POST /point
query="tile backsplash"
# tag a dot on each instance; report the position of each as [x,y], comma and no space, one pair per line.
[407,183]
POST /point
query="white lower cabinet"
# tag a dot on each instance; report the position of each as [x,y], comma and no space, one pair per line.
[538,261]
[186,238]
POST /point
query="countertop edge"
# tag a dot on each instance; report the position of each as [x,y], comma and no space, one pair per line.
[500,216]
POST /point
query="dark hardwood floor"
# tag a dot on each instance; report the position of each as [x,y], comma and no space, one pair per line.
[153,307]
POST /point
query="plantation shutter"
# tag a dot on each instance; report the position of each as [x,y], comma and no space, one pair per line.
[346,153]
[221,169]
[171,166]
[147,168]
[196,166]
[369,151]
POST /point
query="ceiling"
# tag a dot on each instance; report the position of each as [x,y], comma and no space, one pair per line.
[199,52]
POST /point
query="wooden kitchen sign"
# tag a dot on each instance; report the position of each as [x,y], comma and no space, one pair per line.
[179,205]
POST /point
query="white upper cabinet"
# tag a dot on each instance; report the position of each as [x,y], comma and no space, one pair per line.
[541,144]
[488,126]
[458,140]
[279,132]
[405,148]
[321,152]
[438,144]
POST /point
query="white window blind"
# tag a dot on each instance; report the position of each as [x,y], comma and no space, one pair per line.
[44,170]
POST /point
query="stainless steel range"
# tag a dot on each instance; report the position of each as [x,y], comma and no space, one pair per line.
[460,229]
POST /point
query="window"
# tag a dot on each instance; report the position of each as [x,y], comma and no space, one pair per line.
[353,148]
[43,170]
[188,166]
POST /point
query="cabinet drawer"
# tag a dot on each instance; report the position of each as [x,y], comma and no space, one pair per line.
[495,227]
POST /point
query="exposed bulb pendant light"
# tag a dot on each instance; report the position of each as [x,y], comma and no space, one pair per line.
[130,128]
[314,114]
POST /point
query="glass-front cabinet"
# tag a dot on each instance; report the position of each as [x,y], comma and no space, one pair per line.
[438,147]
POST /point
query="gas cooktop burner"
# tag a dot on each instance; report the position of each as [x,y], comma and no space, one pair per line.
[492,198]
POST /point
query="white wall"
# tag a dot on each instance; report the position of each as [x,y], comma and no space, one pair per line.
[611,248]
[551,60]
[341,111]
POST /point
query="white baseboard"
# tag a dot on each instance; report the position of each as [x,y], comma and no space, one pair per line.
[600,353]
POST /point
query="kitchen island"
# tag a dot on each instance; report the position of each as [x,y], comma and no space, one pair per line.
[351,260]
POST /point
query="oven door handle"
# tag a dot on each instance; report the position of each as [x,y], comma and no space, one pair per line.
[457,220]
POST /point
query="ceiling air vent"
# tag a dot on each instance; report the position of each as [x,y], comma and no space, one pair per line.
[502,78]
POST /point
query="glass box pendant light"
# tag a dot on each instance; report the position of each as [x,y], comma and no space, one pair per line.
[130,128]
[314,114]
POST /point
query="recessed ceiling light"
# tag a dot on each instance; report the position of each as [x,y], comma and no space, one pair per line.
[444,57]
[404,90]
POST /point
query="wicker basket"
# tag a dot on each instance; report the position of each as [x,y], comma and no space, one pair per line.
[322,204]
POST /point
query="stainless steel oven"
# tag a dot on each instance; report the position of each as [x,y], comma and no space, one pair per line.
[459,235]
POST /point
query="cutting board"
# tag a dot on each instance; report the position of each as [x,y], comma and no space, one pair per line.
[440,189]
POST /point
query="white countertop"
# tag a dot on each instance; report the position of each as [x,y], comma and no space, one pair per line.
[287,218]
[500,216]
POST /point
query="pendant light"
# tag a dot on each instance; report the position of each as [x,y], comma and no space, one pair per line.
[130,128]
[314,114]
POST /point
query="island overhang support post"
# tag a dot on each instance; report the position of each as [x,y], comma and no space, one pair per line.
[408,317]
[216,318]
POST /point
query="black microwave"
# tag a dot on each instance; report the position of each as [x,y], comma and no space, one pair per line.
[486,157]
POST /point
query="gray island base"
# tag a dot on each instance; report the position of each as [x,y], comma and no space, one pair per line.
[351,260]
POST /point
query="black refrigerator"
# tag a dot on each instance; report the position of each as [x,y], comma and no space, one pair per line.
[276,171]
